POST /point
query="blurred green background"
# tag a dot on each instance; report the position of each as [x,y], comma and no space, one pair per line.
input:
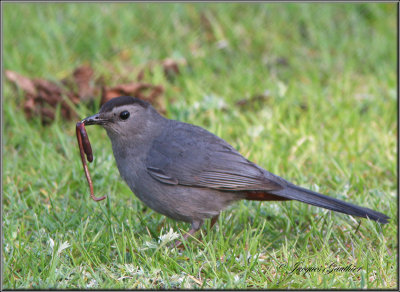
[326,120]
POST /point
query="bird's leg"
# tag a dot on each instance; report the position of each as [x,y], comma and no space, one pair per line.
[214,220]
[195,227]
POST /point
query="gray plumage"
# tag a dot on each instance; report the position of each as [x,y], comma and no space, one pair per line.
[189,174]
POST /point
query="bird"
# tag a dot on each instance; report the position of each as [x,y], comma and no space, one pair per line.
[189,174]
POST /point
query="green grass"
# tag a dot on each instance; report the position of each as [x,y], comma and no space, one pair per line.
[329,123]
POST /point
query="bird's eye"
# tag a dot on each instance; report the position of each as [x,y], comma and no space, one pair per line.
[124,115]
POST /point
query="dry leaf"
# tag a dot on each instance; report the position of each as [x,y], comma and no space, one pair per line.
[83,76]
[43,96]
[23,82]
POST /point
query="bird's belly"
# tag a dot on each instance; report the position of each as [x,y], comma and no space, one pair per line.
[179,202]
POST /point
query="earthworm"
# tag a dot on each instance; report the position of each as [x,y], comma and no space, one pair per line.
[85,142]
[85,148]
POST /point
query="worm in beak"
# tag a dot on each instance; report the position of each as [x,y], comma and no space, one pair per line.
[86,148]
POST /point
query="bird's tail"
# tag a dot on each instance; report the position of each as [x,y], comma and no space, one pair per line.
[293,192]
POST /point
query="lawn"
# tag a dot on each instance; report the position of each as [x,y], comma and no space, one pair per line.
[307,91]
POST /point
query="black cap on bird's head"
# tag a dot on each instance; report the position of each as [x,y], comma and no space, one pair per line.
[120,101]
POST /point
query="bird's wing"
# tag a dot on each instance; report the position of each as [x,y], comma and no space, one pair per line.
[189,155]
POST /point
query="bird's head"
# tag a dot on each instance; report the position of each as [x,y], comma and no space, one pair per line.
[126,117]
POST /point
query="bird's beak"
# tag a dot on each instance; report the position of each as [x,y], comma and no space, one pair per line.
[94,120]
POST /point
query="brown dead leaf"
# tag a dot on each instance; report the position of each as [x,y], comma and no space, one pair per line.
[83,76]
[22,82]
[48,91]
[29,107]
[41,97]
[47,114]
[52,94]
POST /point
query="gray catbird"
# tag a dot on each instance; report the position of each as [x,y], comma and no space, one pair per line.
[189,174]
